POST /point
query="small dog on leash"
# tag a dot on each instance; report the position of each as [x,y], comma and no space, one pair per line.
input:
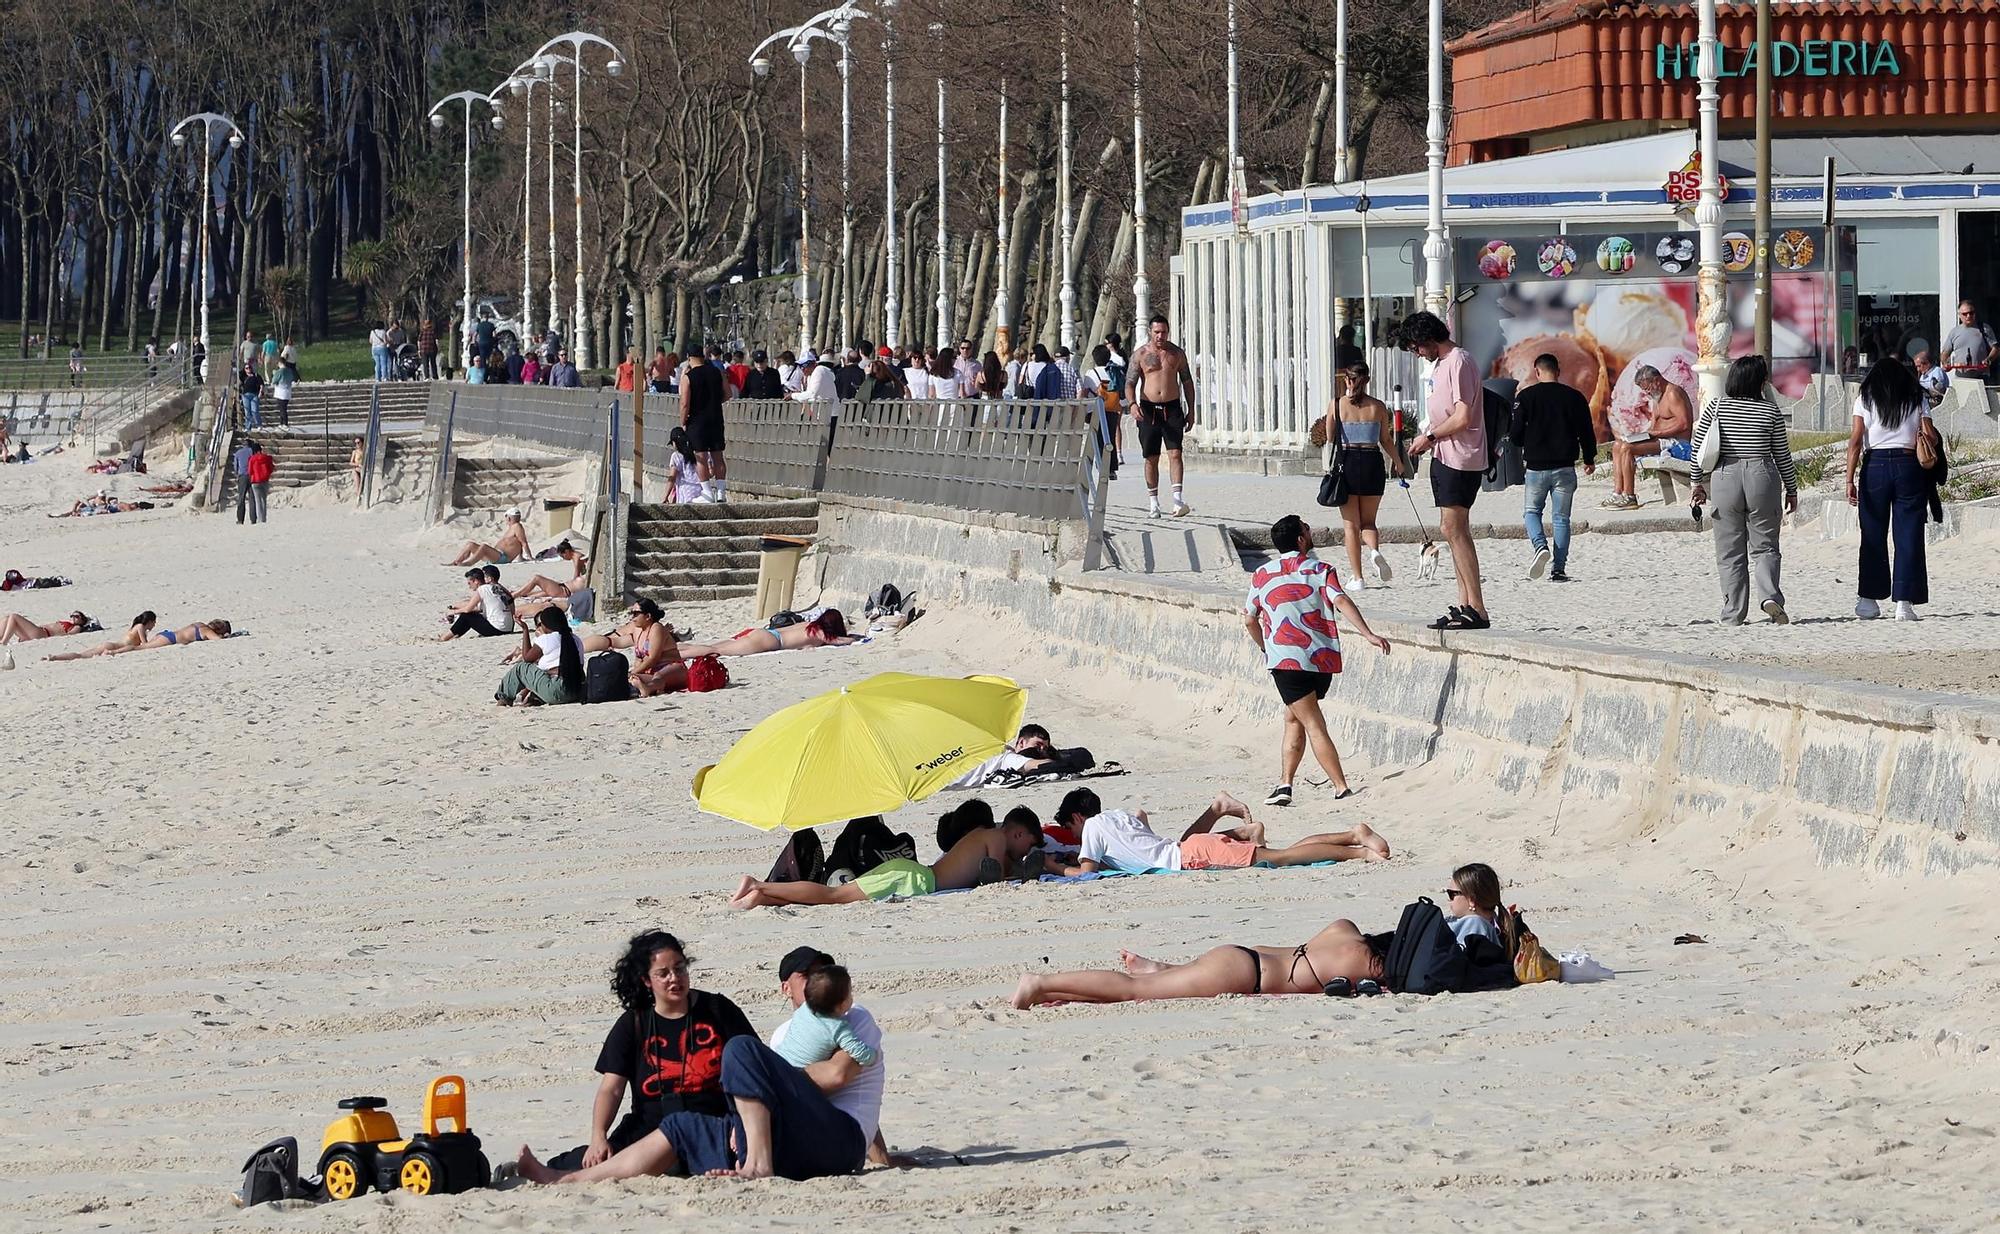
[1427,561]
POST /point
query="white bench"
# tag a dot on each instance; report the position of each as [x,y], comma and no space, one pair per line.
[1665,469]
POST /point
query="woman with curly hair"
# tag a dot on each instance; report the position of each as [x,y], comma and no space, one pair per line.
[666,1048]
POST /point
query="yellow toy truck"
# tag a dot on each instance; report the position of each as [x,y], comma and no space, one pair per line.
[363,1149]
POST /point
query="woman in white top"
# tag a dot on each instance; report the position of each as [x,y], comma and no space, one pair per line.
[1889,489]
[683,481]
[551,665]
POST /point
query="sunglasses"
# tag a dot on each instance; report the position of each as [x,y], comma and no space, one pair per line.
[1453,893]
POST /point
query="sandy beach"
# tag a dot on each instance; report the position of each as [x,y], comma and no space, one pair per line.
[243,880]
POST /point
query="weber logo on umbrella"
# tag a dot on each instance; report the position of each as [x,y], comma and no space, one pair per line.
[942,759]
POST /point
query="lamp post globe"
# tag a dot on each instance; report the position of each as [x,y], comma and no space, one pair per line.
[236,141]
[801,52]
[761,66]
[615,67]
[499,121]
[180,141]
[437,121]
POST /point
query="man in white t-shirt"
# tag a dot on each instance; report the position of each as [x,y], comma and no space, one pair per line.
[1029,751]
[1124,840]
[854,1090]
[486,612]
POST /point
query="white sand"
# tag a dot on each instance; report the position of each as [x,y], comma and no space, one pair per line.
[243,880]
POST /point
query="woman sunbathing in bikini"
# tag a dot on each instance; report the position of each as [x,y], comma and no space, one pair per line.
[1337,953]
[15,628]
[829,629]
[200,632]
[140,630]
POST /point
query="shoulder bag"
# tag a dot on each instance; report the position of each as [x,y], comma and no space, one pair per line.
[1333,485]
[1708,455]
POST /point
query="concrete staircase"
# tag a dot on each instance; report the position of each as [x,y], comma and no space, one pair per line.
[305,459]
[683,552]
[497,483]
[343,405]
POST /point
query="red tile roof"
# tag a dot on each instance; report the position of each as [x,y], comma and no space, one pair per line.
[1548,14]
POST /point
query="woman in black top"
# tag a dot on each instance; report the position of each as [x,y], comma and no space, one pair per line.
[665,1047]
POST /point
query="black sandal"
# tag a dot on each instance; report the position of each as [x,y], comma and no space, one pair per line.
[1463,619]
[1450,615]
[1339,987]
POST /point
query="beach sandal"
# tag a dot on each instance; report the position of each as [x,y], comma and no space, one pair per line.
[1368,987]
[1462,619]
[1339,987]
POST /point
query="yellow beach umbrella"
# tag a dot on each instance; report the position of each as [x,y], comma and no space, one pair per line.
[867,748]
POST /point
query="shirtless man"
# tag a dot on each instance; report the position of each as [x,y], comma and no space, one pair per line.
[1670,429]
[1338,951]
[511,546]
[1165,410]
[979,857]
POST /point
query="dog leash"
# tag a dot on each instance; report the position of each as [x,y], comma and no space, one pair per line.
[1425,531]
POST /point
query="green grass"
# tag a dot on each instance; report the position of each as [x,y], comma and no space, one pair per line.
[1809,441]
[342,355]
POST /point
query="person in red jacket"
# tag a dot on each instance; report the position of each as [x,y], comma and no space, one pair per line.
[257,469]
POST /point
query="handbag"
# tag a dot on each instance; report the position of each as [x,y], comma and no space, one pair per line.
[1929,445]
[1708,455]
[1333,485]
[1532,962]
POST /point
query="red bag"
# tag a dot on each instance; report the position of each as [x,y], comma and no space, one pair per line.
[707,673]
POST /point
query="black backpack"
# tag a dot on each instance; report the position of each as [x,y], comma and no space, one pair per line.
[888,598]
[607,679]
[1506,467]
[272,1173]
[802,860]
[866,843]
[1424,956]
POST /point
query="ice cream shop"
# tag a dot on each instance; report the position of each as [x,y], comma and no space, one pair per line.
[1569,197]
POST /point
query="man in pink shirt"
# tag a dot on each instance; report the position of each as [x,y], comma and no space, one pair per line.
[1455,426]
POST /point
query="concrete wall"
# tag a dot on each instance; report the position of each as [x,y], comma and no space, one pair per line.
[1893,781]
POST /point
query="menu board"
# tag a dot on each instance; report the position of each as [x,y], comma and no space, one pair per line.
[1531,257]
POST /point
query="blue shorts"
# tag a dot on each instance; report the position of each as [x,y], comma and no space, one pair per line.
[809,1137]
[1674,447]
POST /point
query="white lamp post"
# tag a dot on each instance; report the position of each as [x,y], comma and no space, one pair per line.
[1003,327]
[892,304]
[1340,92]
[1711,289]
[1142,307]
[1066,295]
[465,98]
[943,249]
[1434,249]
[522,85]
[577,40]
[208,120]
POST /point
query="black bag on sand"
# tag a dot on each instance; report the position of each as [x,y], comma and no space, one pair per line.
[607,678]
[1424,957]
[866,843]
[802,860]
[272,1173]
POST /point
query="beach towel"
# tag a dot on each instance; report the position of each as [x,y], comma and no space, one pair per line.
[16,581]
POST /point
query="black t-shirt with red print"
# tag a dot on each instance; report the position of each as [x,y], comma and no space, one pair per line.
[674,1063]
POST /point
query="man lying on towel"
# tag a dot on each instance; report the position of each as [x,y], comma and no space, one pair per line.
[1124,841]
[978,858]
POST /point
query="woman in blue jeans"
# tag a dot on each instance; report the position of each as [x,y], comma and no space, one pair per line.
[1889,489]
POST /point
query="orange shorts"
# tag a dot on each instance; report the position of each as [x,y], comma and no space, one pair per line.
[1209,851]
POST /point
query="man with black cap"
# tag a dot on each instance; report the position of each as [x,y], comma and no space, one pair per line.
[791,1122]
[762,380]
[851,1088]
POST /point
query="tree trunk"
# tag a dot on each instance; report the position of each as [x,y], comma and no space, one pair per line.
[27,290]
[681,309]
[243,247]
[1111,296]
[1367,109]
[1020,246]
[1316,131]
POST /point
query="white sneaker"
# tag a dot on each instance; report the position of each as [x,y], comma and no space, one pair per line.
[1906,611]
[1540,565]
[1382,571]
[1775,610]
[1866,609]
[1182,509]
[1154,512]
[1357,583]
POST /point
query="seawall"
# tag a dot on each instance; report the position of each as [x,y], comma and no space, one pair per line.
[1893,781]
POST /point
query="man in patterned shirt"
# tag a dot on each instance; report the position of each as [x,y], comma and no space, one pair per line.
[1290,616]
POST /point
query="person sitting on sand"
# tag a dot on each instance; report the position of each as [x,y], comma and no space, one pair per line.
[488,611]
[657,666]
[511,546]
[140,630]
[14,628]
[1472,904]
[1340,951]
[800,1123]
[1125,841]
[212,630]
[979,857]
[829,629]
[547,588]
[665,1049]
[550,669]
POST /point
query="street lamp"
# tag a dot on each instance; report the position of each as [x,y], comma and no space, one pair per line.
[1434,248]
[1066,295]
[892,304]
[208,120]
[522,86]
[1141,297]
[1711,314]
[541,71]
[577,40]
[943,250]
[465,98]
[836,25]
[1003,328]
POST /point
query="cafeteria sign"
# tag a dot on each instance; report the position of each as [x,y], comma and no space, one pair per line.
[1683,186]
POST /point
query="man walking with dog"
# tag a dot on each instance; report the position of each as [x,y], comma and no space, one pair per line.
[1165,411]
[1455,427]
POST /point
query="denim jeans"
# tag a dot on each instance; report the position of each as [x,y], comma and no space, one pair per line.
[252,416]
[1555,487]
[1894,494]
[381,363]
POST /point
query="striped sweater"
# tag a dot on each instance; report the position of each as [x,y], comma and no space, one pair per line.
[1750,428]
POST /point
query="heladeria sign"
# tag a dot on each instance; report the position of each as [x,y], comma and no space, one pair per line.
[1812,58]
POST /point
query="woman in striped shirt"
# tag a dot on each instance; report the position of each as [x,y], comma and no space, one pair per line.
[1754,487]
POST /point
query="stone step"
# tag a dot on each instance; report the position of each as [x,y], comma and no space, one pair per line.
[703,529]
[638,586]
[722,546]
[654,557]
[681,580]
[795,508]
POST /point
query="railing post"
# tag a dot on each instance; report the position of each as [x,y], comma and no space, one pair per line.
[371,445]
[613,558]
[441,478]
[1097,487]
